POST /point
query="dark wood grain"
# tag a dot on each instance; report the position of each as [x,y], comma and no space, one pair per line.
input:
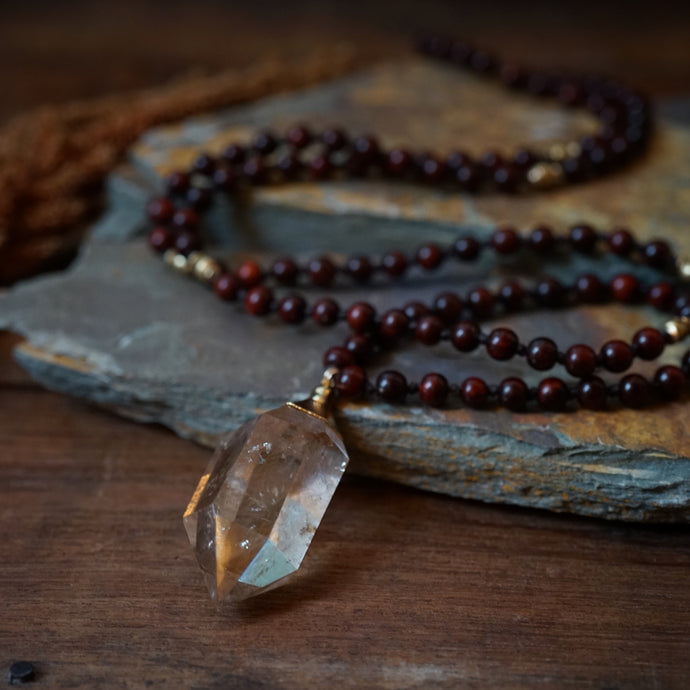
[402,588]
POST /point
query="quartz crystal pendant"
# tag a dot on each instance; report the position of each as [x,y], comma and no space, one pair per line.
[265,490]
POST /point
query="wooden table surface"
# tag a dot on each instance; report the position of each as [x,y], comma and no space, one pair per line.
[402,589]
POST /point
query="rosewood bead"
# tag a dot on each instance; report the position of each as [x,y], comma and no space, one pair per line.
[361,316]
[583,238]
[415,311]
[199,198]
[634,391]
[160,239]
[661,296]
[592,393]
[254,171]
[475,392]
[589,288]
[226,286]
[466,248]
[648,343]
[465,336]
[481,301]
[429,330]
[621,242]
[366,149]
[359,268]
[234,154]
[625,288]
[320,167]
[502,344]
[177,182]
[468,177]
[285,271]
[338,356]
[292,309]
[398,163]
[448,307]
[394,324]
[542,354]
[360,346]
[186,242]
[321,271]
[657,254]
[250,273]
[433,389]
[160,210]
[325,311]
[394,263]
[299,136]
[580,361]
[290,165]
[429,256]
[512,295]
[513,394]
[616,355]
[265,143]
[506,177]
[542,239]
[185,219]
[334,139]
[391,386]
[204,164]
[351,381]
[552,394]
[550,293]
[225,179]
[669,382]
[257,301]
[505,241]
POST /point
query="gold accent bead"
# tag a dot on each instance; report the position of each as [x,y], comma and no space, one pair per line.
[206,269]
[683,266]
[559,152]
[177,261]
[545,175]
[678,328]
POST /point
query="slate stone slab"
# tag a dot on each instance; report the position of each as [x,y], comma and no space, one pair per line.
[121,329]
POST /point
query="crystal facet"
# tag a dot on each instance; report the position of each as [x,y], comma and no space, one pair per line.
[257,507]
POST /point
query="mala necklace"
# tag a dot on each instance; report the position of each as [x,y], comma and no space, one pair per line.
[255,510]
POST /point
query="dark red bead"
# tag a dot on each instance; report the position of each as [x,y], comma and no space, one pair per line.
[542,239]
[552,394]
[360,268]
[187,242]
[481,301]
[432,169]
[580,361]
[669,382]
[542,354]
[456,159]
[634,391]
[512,295]
[524,159]
[466,248]
[506,178]
[398,163]
[657,254]
[160,239]
[433,389]
[334,139]
[366,148]
[448,307]
[285,271]
[592,393]
[625,288]
[468,177]
[258,300]
[226,286]
[199,198]
[391,386]
[590,289]
[338,356]
[292,309]
[185,219]
[429,330]
[429,256]
[394,263]
[160,210]
[661,296]
[415,311]
[290,166]
[648,343]
[325,311]
[204,164]
[550,293]
[465,336]
[505,241]
[583,238]
[361,316]
[254,171]
[360,346]
[250,273]
[225,179]
[621,242]
[321,271]
[616,355]
[320,167]
[491,160]
[512,393]
[513,76]
[265,143]
[351,381]
[299,136]
[234,154]
[475,392]
[394,324]
[502,344]
[177,182]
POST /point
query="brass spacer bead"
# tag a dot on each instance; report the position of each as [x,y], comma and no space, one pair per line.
[559,152]
[545,175]
[203,267]
[683,267]
[678,329]
[177,261]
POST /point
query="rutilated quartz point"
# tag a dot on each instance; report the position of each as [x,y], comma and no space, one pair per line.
[264,493]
